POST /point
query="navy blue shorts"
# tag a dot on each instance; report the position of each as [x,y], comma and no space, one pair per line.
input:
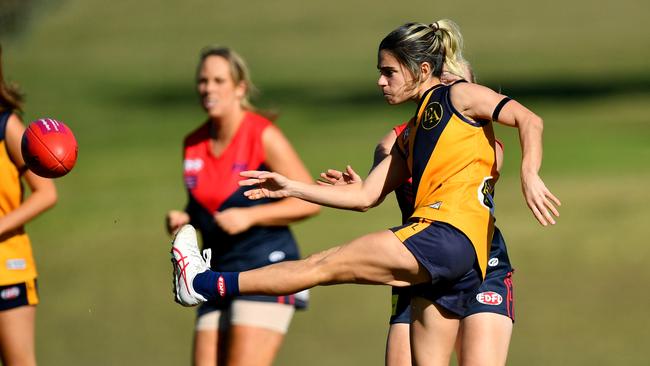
[495,295]
[299,301]
[449,257]
[18,294]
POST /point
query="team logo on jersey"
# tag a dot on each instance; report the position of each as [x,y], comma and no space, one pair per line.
[405,140]
[277,256]
[485,194]
[493,262]
[432,115]
[10,293]
[16,264]
[489,298]
[238,167]
[193,165]
[406,133]
[191,181]
[436,205]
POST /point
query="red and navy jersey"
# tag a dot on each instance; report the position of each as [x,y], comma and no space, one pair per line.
[212,185]
[404,193]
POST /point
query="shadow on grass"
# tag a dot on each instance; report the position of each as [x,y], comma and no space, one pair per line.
[182,94]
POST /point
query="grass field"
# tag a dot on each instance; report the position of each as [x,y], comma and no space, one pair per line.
[121,75]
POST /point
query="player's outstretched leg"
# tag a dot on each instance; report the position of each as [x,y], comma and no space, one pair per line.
[187,262]
[376,258]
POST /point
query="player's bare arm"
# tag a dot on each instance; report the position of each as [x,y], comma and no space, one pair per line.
[357,196]
[43,194]
[479,103]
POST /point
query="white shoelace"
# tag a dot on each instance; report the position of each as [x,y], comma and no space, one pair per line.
[207,256]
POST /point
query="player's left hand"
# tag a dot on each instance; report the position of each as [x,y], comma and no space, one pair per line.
[539,199]
[269,184]
[233,220]
[337,177]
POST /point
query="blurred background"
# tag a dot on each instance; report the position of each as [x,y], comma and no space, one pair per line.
[121,75]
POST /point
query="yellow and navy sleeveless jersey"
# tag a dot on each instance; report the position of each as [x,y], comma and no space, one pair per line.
[452,162]
[16,260]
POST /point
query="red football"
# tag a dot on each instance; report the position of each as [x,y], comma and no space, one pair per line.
[49,148]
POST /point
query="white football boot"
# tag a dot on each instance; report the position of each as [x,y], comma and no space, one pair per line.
[187,262]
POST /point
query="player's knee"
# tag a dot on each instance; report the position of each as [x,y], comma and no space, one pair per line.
[326,270]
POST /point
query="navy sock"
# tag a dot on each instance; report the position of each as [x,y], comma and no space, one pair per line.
[215,285]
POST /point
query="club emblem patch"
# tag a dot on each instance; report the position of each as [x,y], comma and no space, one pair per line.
[432,115]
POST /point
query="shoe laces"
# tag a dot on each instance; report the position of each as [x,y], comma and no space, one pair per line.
[207,256]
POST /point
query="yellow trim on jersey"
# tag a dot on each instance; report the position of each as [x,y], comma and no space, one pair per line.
[32,293]
[408,231]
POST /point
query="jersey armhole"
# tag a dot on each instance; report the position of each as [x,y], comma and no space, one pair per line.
[469,121]
[4,120]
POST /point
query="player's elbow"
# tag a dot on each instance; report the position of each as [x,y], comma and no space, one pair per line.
[311,210]
[302,210]
[50,199]
[361,208]
[364,204]
[536,122]
[46,198]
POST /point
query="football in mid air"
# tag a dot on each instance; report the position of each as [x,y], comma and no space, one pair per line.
[49,148]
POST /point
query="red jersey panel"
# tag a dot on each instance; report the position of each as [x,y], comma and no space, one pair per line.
[211,179]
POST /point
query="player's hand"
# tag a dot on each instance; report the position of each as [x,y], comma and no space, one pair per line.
[266,184]
[175,219]
[336,177]
[539,199]
[233,220]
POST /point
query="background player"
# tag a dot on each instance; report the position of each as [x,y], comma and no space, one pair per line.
[17,270]
[242,234]
[439,256]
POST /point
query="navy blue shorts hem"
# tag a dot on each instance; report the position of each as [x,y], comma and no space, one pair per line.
[18,294]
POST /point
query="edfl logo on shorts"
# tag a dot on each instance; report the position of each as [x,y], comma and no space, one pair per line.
[489,298]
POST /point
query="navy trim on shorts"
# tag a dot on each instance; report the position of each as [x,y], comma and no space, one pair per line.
[15,295]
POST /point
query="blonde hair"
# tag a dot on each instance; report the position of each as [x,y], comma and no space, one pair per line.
[439,43]
[238,71]
[10,96]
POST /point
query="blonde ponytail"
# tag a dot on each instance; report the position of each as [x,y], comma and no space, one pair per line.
[439,43]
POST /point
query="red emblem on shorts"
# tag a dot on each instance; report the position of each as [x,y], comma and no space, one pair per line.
[221,286]
[489,298]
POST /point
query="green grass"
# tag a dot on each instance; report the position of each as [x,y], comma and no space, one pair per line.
[121,76]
